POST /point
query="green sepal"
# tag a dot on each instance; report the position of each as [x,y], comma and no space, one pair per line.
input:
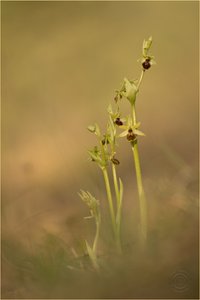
[137,125]
[138,132]
[124,133]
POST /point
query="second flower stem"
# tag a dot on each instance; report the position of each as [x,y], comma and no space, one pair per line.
[112,212]
[142,199]
[109,196]
[118,214]
[96,236]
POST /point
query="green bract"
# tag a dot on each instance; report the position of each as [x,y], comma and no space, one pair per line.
[94,129]
[146,46]
[130,90]
[94,153]
[113,115]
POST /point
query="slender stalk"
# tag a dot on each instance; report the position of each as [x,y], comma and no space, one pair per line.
[116,184]
[115,181]
[96,236]
[93,257]
[140,79]
[109,196]
[118,214]
[142,199]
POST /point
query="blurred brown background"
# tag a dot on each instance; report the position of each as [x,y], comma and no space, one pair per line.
[61,63]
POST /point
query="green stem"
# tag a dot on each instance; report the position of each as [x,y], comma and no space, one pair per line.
[118,215]
[109,196]
[140,79]
[116,184]
[96,236]
[110,201]
[142,199]
[92,256]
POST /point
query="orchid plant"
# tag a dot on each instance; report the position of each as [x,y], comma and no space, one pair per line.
[104,155]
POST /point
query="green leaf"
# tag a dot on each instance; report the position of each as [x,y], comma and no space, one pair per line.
[121,189]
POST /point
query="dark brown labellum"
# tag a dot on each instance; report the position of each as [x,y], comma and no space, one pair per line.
[131,136]
[118,122]
[115,161]
[146,64]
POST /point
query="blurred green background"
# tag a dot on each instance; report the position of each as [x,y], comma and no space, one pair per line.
[61,64]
